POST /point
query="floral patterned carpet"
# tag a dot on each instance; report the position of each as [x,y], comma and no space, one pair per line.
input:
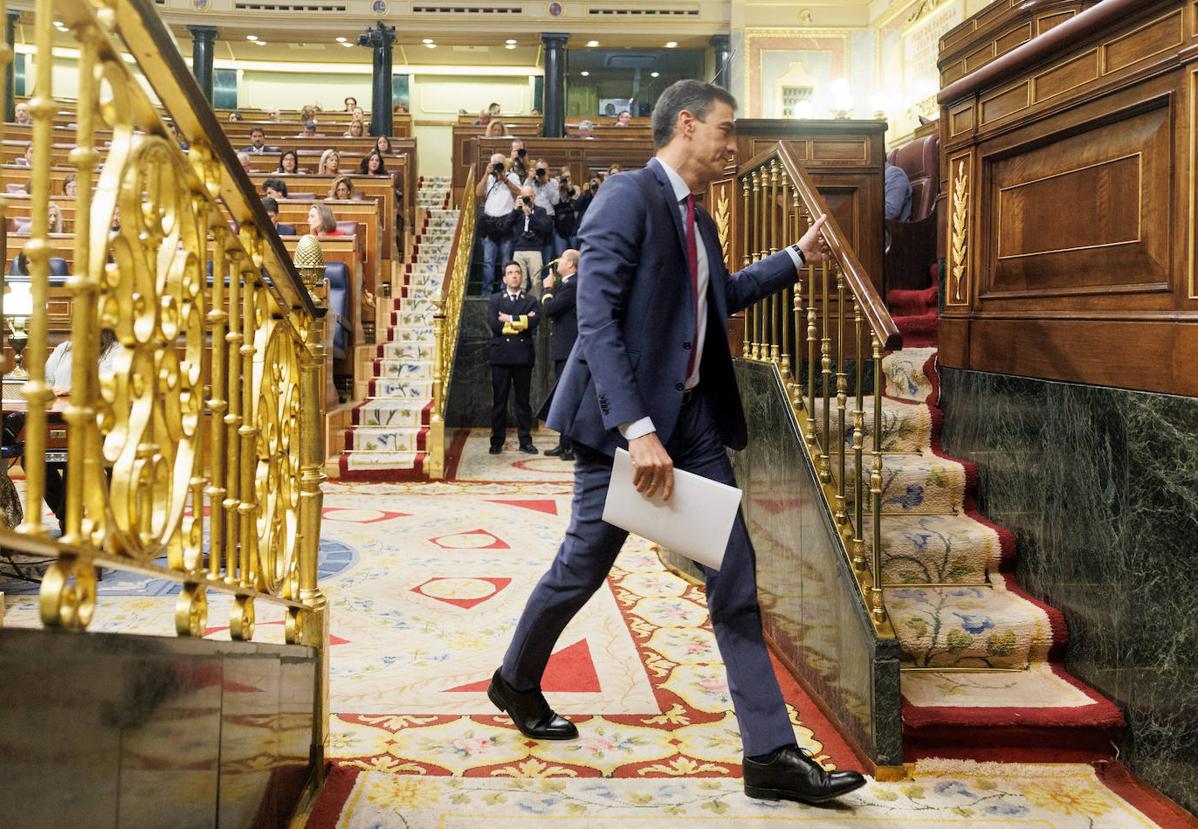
[426,581]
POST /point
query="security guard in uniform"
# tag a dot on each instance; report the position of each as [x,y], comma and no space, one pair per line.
[513,316]
[558,304]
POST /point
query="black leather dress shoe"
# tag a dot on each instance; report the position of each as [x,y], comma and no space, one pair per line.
[495,450]
[566,456]
[557,450]
[792,775]
[530,711]
[529,449]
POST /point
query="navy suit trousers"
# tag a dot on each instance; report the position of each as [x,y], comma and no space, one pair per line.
[589,550]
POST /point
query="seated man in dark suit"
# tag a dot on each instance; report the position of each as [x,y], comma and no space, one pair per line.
[512,315]
[272,212]
[258,143]
[558,304]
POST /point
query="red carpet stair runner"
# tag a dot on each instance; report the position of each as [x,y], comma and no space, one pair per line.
[982,660]
[387,440]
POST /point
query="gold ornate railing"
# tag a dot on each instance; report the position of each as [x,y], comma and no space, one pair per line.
[821,336]
[447,323]
[198,459]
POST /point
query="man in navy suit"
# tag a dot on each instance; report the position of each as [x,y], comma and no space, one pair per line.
[512,316]
[651,371]
[558,303]
[258,143]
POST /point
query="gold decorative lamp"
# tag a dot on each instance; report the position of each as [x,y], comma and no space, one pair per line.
[309,261]
[17,309]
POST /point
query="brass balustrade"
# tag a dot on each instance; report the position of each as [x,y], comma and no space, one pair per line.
[204,445]
[447,323]
[845,325]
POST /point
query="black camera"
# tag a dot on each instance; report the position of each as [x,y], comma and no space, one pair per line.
[594,186]
[499,169]
[522,152]
[540,173]
[526,199]
[377,36]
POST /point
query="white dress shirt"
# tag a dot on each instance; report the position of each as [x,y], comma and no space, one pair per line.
[500,201]
[58,364]
[639,428]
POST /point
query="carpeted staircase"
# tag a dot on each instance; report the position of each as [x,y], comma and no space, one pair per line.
[390,426]
[982,660]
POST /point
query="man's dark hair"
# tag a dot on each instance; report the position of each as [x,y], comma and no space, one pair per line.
[258,129]
[270,205]
[507,265]
[696,97]
[275,184]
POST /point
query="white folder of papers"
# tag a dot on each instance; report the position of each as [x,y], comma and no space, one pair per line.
[696,522]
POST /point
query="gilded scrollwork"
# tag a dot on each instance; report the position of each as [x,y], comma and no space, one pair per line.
[960,234]
[723,223]
[197,445]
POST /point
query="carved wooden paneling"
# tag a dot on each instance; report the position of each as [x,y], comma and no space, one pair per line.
[960,120]
[1161,35]
[1087,214]
[1072,247]
[957,261]
[996,30]
[1193,183]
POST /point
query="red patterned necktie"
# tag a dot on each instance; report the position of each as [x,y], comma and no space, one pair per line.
[692,261]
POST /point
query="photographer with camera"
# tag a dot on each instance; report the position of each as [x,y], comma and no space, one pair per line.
[584,200]
[519,159]
[497,190]
[565,215]
[533,230]
[545,195]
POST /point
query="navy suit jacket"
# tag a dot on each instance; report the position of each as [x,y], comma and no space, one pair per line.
[636,317]
[560,306]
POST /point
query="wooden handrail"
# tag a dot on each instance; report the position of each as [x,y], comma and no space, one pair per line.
[1052,43]
[872,306]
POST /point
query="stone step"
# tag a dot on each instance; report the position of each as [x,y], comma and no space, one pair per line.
[394,412]
[386,439]
[968,627]
[906,426]
[912,484]
[403,369]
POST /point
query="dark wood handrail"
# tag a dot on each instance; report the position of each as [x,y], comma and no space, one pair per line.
[1055,42]
[877,316]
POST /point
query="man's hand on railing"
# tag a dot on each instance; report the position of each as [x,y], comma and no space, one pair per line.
[813,244]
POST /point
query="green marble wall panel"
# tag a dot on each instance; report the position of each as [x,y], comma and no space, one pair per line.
[1100,487]
[810,603]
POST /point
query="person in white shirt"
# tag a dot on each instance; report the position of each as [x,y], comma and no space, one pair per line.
[58,378]
[546,195]
[498,190]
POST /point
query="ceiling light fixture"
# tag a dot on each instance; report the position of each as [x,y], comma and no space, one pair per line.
[251,38]
[670,44]
[585,74]
[341,40]
[347,45]
[259,42]
[427,41]
[510,42]
[510,46]
[430,46]
[654,74]
[592,43]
